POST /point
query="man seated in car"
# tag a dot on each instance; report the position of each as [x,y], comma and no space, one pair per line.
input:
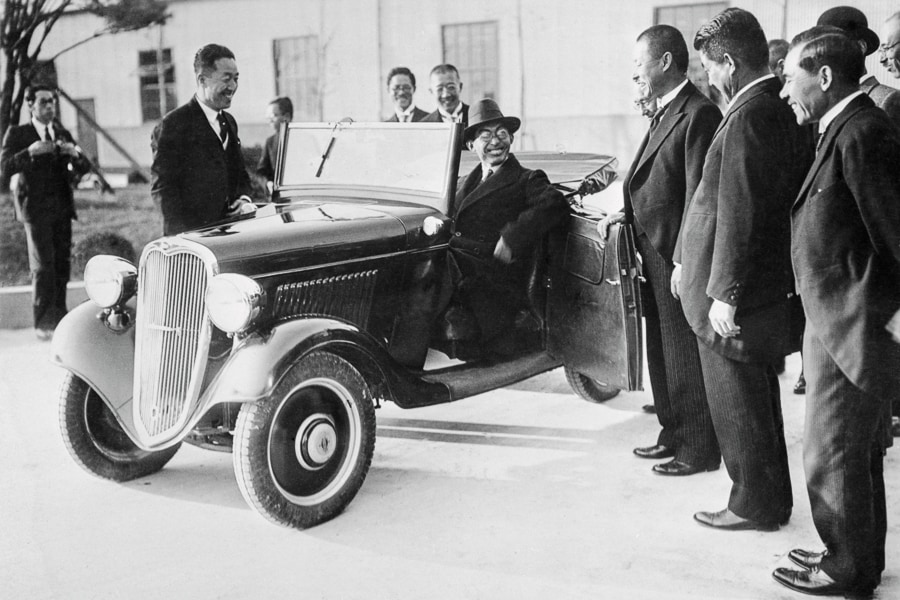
[501,212]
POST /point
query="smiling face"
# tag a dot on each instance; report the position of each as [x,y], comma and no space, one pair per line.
[803,90]
[446,88]
[402,90]
[491,144]
[217,88]
[647,71]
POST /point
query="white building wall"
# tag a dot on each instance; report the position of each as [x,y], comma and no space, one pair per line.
[564,65]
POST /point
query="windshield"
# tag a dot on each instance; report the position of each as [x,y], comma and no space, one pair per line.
[408,158]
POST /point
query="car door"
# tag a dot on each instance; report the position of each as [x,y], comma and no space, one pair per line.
[594,304]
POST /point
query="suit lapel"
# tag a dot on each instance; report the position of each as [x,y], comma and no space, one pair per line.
[768,86]
[202,129]
[674,113]
[507,175]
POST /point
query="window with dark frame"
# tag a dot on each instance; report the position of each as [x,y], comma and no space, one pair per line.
[297,74]
[473,49]
[157,82]
[687,18]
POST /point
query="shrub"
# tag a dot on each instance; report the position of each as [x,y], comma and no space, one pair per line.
[100,243]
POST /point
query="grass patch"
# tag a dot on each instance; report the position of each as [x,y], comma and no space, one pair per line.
[130,213]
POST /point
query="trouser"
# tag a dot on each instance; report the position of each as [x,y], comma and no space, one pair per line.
[843,458]
[676,377]
[49,250]
[745,405]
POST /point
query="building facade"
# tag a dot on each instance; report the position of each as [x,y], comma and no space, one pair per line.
[563,66]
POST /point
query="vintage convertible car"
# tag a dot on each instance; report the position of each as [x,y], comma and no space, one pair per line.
[277,335]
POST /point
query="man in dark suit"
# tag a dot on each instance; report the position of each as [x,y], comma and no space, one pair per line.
[846,255]
[198,174]
[445,87]
[401,85]
[280,110]
[500,213]
[854,24]
[735,283]
[657,188]
[45,161]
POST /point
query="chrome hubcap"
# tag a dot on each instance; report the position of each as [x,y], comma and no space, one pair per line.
[316,441]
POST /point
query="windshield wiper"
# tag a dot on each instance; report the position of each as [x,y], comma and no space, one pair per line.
[331,143]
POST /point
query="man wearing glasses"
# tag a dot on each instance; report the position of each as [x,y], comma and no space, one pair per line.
[445,87]
[401,85]
[500,213]
[889,51]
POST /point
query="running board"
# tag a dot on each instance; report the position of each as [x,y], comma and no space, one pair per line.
[482,376]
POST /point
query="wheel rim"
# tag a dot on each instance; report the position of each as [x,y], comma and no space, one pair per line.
[104,431]
[314,441]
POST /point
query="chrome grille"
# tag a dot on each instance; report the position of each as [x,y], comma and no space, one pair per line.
[347,297]
[173,333]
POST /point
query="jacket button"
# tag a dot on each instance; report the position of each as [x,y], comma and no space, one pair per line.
[458,234]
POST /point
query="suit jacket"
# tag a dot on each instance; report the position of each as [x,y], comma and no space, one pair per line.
[435,117]
[193,177]
[517,203]
[667,168]
[735,243]
[417,115]
[42,178]
[265,168]
[846,245]
[885,97]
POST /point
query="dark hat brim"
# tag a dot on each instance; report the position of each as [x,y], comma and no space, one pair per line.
[511,124]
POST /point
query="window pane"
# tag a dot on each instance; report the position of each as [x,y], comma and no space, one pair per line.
[149,82]
[472,48]
[297,74]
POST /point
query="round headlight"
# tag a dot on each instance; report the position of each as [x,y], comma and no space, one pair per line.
[233,301]
[109,280]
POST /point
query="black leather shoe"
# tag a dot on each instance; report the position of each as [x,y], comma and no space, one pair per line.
[805,558]
[816,583]
[728,521]
[655,452]
[678,468]
[800,386]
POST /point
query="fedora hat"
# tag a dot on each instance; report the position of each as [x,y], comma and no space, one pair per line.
[854,24]
[486,112]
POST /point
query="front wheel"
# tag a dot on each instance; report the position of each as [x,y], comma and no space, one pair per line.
[301,455]
[588,388]
[95,439]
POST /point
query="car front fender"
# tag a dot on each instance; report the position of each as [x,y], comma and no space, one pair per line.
[84,345]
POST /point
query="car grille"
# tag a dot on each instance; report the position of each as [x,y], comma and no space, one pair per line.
[173,333]
[347,297]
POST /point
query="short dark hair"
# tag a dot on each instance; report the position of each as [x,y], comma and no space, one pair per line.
[284,105]
[401,71]
[445,68]
[32,90]
[777,50]
[206,57]
[665,38]
[826,45]
[736,32]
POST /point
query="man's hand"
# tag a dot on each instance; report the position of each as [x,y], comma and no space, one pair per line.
[240,206]
[675,283]
[41,147]
[605,222]
[502,252]
[68,149]
[721,317]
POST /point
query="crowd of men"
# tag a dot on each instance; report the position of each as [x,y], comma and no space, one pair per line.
[772,225]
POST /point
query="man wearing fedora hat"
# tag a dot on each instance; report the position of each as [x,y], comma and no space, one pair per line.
[855,25]
[500,212]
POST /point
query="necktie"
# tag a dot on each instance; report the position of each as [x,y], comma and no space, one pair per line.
[487,175]
[223,127]
[405,118]
[654,123]
[47,137]
[819,141]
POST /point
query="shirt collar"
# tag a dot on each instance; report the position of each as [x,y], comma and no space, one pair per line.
[211,115]
[667,98]
[748,86]
[455,116]
[408,112]
[835,110]
[39,127]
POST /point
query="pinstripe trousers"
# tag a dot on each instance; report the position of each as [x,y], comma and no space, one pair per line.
[676,378]
[745,405]
[844,463]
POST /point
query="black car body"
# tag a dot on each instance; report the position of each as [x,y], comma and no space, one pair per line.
[276,335]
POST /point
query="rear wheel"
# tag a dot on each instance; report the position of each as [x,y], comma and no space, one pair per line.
[588,388]
[301,455]
[95,439]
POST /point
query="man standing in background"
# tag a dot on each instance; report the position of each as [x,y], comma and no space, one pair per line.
[446,87]
[280,110]
[401,85]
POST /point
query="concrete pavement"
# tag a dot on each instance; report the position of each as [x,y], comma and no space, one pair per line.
[525,492]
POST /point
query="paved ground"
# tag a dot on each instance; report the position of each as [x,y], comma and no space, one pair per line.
[522,493]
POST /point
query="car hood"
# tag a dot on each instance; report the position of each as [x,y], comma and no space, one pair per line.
[311,233]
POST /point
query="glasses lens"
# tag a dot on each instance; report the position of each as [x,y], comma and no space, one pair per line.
[486,136]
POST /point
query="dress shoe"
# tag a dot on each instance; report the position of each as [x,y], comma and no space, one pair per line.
[800,386]
[805,558]
[44,335]
[678,468]
[655,452]
[728,521]
[816,583]
[649,409]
